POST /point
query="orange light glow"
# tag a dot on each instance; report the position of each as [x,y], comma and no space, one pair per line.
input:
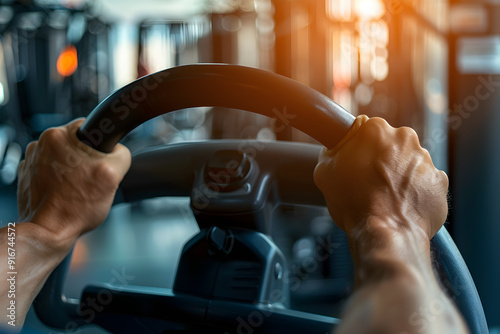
[80,255]
[67,63]
[369,9]
[339,10]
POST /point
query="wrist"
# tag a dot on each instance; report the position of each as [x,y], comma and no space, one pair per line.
[52,244]
[385,247]
[381,231]
[60,223]
[389,226]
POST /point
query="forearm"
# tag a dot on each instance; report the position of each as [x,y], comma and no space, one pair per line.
[65,189]
[396,289]
[37,254]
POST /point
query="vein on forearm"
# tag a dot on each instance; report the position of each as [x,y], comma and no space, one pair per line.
[382,249]
[394,282]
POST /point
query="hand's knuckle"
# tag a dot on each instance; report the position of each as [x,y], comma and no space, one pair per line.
[375,130]
[377,120]
[52,136]
[407,134]
[444,179]
[426,153]
[379,123]
[407,131]
[20,168]
[371,129]
[318,174]
[30,148]
[104,173]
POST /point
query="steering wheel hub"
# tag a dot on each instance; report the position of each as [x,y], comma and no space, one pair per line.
[227,170]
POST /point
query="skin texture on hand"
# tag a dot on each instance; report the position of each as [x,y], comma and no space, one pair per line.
[65,189]
[380,171]
[383,190]
[64,185]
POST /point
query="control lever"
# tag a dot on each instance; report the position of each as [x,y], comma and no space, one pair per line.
[10,156]
[6,134]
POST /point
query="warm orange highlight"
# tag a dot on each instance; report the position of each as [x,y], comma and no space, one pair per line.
[67,63]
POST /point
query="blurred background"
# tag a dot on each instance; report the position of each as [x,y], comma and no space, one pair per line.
[433,65]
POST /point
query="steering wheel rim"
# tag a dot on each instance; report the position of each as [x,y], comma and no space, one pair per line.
[245,88]
[238,87]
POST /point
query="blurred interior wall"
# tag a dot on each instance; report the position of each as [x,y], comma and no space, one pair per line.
[474,121]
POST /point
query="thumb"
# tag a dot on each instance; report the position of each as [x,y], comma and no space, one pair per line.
[356,125]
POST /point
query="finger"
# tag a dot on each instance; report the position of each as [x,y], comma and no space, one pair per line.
[358,122]
[72,128]
[121,158]
[408,136]
[324,155]
[78,145]
[377,131]
[30,149]
[75,124]
[319,172]
[20,168]
[444,179]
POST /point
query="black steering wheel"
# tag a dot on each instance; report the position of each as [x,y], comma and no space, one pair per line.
[151,174]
